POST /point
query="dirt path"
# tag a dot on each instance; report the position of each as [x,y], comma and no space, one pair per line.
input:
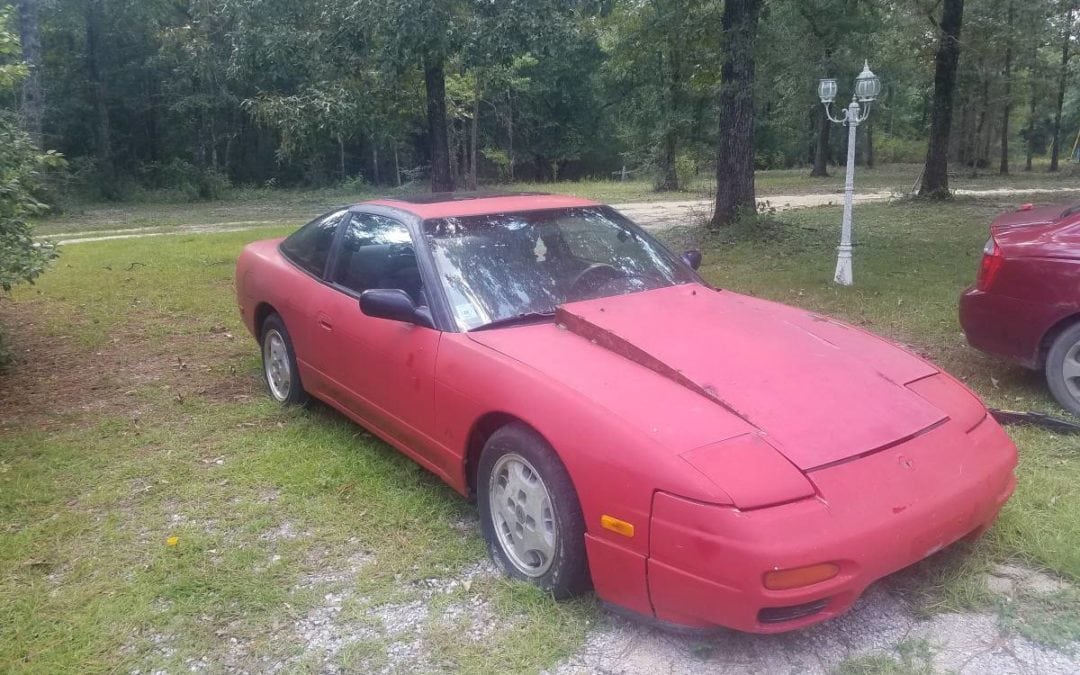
[650,215]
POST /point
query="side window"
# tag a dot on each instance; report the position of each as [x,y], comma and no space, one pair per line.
[377,252]
[309,247]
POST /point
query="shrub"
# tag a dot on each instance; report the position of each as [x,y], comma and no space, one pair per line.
[21,164]
[894,150]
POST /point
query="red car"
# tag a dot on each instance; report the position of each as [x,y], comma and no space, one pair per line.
[699,457]
[1025,305]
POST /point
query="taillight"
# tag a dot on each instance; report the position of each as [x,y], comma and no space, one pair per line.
[992,261]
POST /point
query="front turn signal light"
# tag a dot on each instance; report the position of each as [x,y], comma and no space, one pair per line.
[616,525]
[782,580]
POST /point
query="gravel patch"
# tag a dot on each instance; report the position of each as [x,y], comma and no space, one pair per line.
[879,625]
[344,617]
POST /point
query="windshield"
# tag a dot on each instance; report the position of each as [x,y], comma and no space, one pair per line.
[499,267]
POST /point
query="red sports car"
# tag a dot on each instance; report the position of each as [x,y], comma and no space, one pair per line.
[699,457]
[1025,305]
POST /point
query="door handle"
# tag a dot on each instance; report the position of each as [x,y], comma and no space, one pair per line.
[324,321]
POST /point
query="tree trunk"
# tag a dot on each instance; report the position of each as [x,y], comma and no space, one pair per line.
[100,96]
[455,151]
[510,133]
[935,180]
[435,86]
[472,137]
[1063,78]
[341,156]
[375,162]
[821,148]
[978,158]
[1006,105]
[32,109]
[667,178]
[397,166]
[1032,107]
[463,150]
[869,144]
[735,149]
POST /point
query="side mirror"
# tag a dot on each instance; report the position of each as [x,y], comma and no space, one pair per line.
[692,258]
[396,305]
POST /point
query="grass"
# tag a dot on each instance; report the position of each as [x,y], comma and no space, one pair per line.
[912,657]
[255,206]
[259,498]
[136,416]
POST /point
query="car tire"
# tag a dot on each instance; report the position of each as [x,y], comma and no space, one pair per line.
[1063,368]
[280,373]
[530,515]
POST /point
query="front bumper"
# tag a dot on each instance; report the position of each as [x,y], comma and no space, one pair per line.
[872,516]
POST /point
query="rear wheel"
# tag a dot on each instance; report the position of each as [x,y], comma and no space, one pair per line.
[279,363]
[1063,368]
[530,514]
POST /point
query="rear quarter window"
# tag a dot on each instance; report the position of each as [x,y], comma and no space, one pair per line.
[309,247]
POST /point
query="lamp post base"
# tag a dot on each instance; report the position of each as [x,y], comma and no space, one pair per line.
[843,266]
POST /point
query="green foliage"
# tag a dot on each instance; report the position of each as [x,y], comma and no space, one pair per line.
[897,150]
[21,259]
[6,357]
[312,92]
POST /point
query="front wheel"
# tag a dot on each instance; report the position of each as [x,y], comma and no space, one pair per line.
[1063,369]
[279,363]
[530,514]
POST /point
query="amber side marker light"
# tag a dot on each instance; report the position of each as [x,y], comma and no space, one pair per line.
[782,580]
[617,526]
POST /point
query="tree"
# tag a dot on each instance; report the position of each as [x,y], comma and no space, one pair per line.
[21,259]
[655,67]
[935,179]
[735,147]
[1006,105]
[1063,78]
[32,107]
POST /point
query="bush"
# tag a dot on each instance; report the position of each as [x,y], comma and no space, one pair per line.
[184,178]
[21,166]
[894,150]
[6,357]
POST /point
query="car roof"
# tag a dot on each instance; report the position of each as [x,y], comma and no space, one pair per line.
[453,204]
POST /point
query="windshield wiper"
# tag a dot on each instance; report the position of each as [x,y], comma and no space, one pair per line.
[524,317]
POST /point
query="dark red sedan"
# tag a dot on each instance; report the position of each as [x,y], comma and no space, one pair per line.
[1025,305]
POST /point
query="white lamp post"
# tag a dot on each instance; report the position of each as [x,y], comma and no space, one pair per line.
[867,88]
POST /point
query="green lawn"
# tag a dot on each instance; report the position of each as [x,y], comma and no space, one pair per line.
[250,206]
[134,414]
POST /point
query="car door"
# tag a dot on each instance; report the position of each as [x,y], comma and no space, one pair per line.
[382,371]
[308,249]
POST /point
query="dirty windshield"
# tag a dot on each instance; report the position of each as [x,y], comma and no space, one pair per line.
[503,267]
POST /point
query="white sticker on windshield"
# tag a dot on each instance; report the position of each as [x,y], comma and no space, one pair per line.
[467,313]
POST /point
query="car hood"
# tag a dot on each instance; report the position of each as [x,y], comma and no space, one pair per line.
[819,391]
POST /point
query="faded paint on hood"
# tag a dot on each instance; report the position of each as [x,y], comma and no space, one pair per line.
[821,391]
